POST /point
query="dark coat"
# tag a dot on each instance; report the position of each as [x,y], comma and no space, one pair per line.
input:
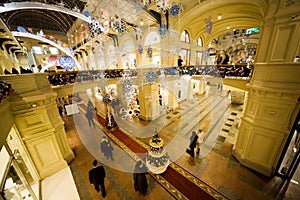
[97,175]
[140,180]
[193,140]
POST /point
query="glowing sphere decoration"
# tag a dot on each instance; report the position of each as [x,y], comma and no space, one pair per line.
[67,62]
[53,60]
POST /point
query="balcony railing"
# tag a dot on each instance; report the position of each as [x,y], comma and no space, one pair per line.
[220,71]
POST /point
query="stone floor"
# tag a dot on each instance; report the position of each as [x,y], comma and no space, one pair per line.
[215,166]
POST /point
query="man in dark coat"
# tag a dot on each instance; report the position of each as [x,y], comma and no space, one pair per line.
[106,148]
[193,143]
[90,117]
[139,177]
[96,177]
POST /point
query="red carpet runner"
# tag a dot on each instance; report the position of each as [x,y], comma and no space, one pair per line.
[181,183]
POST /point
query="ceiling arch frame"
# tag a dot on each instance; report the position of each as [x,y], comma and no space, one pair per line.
[51,17]
[32,36]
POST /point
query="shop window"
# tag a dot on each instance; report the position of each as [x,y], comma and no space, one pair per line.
[14,183]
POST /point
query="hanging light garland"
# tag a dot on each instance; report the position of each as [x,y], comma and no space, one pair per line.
[208,25]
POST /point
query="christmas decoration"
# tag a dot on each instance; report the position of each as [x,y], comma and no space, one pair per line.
[150,76]
[119,25]
[139,33]
[149,52]
[175,9]
[53,60]
[163,30]
[127,87]
[208,26]
[157,159]
[163,5]
[140,49]
[67,62]
[129,114]
[95,27]
[110,122]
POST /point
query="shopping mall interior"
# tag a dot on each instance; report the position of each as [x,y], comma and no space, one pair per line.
[182,99]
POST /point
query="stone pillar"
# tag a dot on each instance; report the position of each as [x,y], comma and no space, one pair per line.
[172,101]
[273,99]
[200,85]
[38,122]
[6,120]
[148,99]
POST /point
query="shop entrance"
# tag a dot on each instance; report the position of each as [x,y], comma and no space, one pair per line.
[289,160]
[14,185]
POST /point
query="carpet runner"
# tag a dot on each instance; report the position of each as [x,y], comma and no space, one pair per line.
[176,176]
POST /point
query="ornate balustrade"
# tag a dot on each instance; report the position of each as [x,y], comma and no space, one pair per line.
[221,71]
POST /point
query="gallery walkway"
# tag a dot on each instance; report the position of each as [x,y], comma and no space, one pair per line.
[216,172]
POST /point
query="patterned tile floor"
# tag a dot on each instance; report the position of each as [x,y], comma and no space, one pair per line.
[218,168]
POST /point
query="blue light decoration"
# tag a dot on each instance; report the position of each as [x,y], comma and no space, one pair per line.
[86,13]
[149,52]
[175,9]
[163,30]
[127,87]
[67,62]
[140,49]
[151,76]
[208,27]
[21,29]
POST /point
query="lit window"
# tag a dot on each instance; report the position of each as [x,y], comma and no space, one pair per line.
[53,50]
[37,50]
[185,37]
[199,42]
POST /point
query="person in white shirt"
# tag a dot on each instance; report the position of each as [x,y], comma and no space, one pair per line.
[200,140]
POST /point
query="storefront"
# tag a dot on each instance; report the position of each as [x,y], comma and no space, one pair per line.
[18,178]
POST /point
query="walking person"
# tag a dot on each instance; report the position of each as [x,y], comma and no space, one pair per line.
[200,140]
[97,176]
[139,178]
[106,148]
[90,117]
[193,144]
[90,105]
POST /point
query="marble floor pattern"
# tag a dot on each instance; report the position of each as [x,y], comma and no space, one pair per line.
[218,168]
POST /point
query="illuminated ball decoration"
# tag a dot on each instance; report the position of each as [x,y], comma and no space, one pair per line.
[67,62]
[53,60]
